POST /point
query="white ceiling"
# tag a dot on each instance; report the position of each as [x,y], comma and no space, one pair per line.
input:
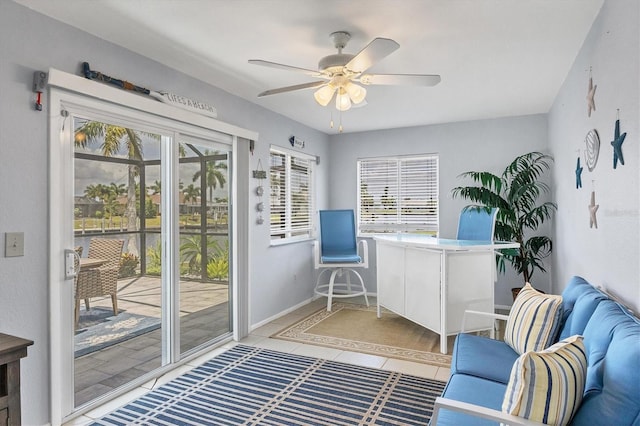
[496,57]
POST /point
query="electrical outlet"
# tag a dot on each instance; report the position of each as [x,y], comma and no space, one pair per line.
[13,244]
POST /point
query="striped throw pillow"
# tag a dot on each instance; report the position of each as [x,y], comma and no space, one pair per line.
[547,386]
[533,321]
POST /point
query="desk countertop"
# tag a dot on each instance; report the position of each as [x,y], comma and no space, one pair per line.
[427,241]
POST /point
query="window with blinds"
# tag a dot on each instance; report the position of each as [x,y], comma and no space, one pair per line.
[291,201]
[398,194]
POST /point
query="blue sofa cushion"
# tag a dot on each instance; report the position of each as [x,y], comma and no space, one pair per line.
[473,390]
[579,300]
[482,357]
[612,389]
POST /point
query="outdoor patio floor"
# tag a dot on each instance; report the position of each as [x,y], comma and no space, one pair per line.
[204,315]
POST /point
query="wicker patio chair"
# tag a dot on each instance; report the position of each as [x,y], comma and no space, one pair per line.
[101,280]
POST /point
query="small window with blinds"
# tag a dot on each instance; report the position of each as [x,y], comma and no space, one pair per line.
[398,194]
[292,197]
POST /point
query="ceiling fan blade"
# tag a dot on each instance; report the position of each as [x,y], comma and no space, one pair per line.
[378,49]
[312,73]
[400,79]
[292,88]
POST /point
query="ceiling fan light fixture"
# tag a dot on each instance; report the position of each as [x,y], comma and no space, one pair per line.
[343,102]
[365,79]
[324,94]
[356,93]
[344,73]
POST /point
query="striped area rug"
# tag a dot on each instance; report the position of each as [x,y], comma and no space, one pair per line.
[252,386]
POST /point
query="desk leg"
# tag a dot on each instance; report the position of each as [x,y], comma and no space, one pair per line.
[443,302]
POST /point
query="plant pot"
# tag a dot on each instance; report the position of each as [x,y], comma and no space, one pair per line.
[515,291]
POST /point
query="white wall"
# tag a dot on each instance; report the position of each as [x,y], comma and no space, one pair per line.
[30,42]
[607,256]
[484,145]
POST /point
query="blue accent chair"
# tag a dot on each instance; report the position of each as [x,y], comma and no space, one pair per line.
[337,254]
[476,223]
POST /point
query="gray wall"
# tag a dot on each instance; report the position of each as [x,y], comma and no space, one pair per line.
[282,277]
[607,256]
[29,42]
[475,145]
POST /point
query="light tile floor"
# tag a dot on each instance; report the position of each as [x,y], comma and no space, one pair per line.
[260,337]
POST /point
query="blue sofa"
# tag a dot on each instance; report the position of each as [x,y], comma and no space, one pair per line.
[481,367]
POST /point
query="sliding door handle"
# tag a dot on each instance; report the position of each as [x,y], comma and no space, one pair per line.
[71,258]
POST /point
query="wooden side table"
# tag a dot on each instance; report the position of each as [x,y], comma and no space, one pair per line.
[12,349]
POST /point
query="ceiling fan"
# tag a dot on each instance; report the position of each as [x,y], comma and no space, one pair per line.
[341,71]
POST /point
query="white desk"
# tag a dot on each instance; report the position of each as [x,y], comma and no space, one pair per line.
[432,281]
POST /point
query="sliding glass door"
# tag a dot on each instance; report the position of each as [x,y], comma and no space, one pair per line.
[205,296]
[150,248]
[118,307]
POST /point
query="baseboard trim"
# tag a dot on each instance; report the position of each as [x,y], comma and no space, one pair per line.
[291,309]
[281,314]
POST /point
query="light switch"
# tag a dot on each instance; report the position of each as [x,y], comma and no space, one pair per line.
[13,244]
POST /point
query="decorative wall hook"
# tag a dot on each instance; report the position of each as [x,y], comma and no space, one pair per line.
[39,86]
[259,174]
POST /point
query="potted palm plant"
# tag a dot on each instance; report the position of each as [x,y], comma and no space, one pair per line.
[516,193]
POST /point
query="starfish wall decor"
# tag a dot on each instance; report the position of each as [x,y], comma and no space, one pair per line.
[578,175]
[617,145]
[591,103]
[593,208]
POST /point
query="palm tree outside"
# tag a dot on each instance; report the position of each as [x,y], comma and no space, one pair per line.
[108,194]
[215,174]
[191,193]
[112,139]
[156,188]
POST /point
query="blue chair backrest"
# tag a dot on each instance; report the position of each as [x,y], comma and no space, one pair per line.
[477,224]
[338,232]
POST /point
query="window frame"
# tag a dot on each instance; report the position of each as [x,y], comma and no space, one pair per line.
[431,227]
[289,231]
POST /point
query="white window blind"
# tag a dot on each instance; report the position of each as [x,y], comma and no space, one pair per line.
[291,200]
[398,194]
